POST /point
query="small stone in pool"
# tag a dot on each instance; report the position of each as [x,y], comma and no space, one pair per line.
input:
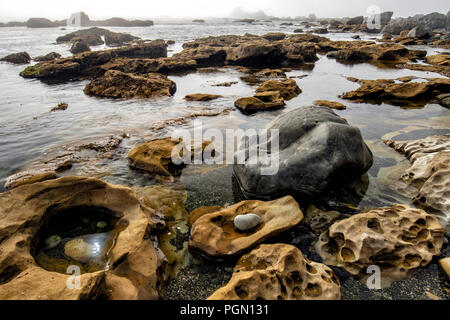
[102,224]
[52,241]
[244,222]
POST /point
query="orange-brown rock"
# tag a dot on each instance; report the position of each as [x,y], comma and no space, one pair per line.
[156,156]
[201,97]
[135,262]
[117,84]
[288,89]
[397,239]
[330,104]
[397,92]
[215,235]
[429,172]
[279,272]
[260,102]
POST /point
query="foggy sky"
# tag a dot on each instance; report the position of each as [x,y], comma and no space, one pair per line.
[99,9]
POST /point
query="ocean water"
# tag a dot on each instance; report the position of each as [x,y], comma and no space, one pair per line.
[28,130]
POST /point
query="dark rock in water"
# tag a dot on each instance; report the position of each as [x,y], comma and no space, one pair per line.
[320,30]
[116,84]
[420,33]
[198,21]
[92,63]
[17,58]
[79,46]
[93,37]
[355,20]
[318,149]
[48,57]
[349,55]
[298,30]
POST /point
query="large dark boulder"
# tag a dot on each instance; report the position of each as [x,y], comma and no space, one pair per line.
[17,58]
[120,22]
[317,149]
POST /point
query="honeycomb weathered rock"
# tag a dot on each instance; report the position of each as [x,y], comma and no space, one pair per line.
[397,239]
[429,173]
[279,272]
[214,234]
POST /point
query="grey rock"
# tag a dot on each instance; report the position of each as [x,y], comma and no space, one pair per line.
[245,222]
[79,46]
[420,33]
[17,58]
[317,149]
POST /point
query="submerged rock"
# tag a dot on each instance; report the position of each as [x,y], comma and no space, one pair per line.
[429,172]
[319,220]
[117,84]
[17,58]
[279,272]
[26,209]
[60,106]
[330,104]
[317,149]
[201,97]
[398,239]
[214,234]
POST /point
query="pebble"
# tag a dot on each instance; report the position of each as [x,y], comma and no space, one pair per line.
[244,222]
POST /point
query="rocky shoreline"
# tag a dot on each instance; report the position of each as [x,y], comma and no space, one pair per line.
[321,153]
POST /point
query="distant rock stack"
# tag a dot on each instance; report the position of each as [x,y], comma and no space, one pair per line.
[78,19]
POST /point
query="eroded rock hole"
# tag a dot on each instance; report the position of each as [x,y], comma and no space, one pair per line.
[80,236]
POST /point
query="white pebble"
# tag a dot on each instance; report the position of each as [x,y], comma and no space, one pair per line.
[244,222]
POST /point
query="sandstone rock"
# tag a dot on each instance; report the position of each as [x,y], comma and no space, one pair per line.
[119,39]
[398,239]
[79,250]
[274,36]
[201,97]
[444,100]
[245,222]
[17,58]
[429,172]
[25,210]
[288,89]
[445,265]
[255,53]
[330,104]
[320,220]
[156,156]
[89,64]
[117,84]
[215,236]
[60,106]
[279,272]
[253,104]
[48,57]
[350,55]
[317,149]
[390,91]
[79,46]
